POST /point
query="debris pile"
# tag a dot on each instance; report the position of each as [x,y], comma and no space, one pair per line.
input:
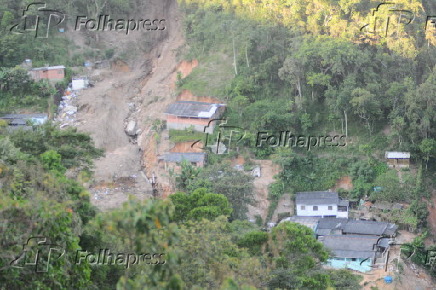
[67,111]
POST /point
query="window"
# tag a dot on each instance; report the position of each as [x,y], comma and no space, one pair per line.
[353,259]
[342,208]
[315,208]
[303,207]
[330,207]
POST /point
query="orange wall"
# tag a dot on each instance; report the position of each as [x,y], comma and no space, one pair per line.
[54,74]
[174,119]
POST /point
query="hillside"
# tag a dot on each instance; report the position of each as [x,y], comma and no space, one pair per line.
[324,112]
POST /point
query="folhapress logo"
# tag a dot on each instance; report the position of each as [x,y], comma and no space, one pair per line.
[38,19]
[227,137]
[37,253]
[106,23]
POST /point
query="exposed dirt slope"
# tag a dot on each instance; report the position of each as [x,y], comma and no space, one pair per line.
[137,91]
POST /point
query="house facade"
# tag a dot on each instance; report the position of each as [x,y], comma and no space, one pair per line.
[52,73]
[182,115]
[398,159]
[23,121]
[354,244]
[356,252]
[321,203]
[351,252]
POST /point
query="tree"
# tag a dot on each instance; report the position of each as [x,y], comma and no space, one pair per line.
[54,225]
[295,258]
[235,185]
[428,149]
[209,256]
[344,279]
[391,189]
[138,227]
[51,160]
[187,175]
[419,210]
[366,106]
[199,204]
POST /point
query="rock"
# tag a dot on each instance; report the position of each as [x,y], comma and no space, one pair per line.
[131,128]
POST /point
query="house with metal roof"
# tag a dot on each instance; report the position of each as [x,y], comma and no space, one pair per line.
[355,244]
[321,203]
[398,159]
[198,115]
[25,119]
[50,73]
[342,226]
[355,252]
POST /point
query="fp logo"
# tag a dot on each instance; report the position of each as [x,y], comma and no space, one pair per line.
[380,24]
[227,137]
[37,253]
[38,19]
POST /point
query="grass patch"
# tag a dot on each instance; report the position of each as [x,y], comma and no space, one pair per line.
[185,136]
[213,74]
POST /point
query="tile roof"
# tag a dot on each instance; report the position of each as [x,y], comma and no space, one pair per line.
[193,109]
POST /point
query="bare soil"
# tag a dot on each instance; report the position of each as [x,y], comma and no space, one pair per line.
[135,90]
[268,170]
[344,182]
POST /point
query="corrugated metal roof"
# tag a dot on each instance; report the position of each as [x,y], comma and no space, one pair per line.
[178,157]
[351,246]
[332,223]
[193,109]
[24,116]
[343,202]
[397,155]
[48,67]
[356,227]
[317,198]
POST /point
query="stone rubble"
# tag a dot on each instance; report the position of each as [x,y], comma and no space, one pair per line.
[67,111]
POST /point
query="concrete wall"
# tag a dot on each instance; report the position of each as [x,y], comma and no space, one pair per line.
[345,263]
[323,210]
[342,214]
[398,163]
[176,123]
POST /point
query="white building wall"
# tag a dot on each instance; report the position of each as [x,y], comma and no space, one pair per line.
[343,214]
[323,210]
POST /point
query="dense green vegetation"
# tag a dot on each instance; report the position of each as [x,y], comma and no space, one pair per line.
[281,66]
[311,70]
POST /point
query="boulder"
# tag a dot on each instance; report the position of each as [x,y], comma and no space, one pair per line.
[131,128]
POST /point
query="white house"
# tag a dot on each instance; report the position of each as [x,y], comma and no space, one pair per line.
[79,83]
[321,203]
